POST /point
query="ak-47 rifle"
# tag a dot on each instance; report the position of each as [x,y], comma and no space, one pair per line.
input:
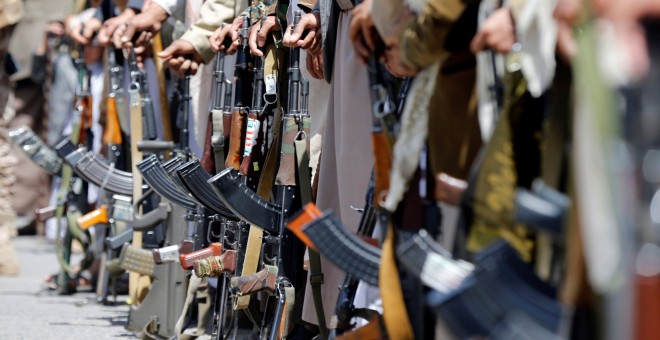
[344,308]
[214,149]
[72,194]
[383,127]
[254,149]
[93,169]
[116,114]
[242,93]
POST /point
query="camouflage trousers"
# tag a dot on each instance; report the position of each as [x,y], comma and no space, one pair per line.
[8,262]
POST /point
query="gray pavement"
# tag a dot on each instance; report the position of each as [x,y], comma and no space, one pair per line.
[27,311]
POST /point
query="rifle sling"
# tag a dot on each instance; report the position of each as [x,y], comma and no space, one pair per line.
[136,286]
[63,251]
[250,262]
[395,315]
[289,301]
[316,272]
[272,62]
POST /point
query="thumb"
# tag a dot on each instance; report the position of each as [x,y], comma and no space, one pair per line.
[168,52]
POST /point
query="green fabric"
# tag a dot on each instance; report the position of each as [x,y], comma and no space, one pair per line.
[509,161]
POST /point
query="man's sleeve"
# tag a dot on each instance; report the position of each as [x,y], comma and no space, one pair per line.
[422,38]
[135,5]
[169,6]
[212,14]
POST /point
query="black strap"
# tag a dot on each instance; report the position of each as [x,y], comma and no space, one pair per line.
[316,272]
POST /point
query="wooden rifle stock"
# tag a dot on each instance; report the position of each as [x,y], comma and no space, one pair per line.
[235,154]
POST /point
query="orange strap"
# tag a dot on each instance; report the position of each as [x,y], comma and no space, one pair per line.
[395,314]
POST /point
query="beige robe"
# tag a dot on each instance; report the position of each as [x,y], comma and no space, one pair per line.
[346,158]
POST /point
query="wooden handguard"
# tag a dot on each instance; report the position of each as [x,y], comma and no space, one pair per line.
[308,214]
[208,161]
[286,174]
[85,116]
[264,279]
[449,189]
[216,265]
[187,260]
[112,132]
[93,218]
[382,165]
[235,153]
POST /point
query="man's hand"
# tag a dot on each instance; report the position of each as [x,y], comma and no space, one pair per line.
[84,36]
[315,65]
[362,32]
[53,28]
[149,21]
[497,33]
[229,33]
[392,57]
[110,26]
[260,32]
[311,22]
[181,57]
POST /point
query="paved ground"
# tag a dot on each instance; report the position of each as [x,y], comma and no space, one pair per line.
[29,312]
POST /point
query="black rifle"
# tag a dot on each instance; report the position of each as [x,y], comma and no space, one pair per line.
[501,283]
[160,182]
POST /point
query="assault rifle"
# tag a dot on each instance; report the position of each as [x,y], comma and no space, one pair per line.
[325,233]
[94,169]
[503,283]
[254,149]
[242,93]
